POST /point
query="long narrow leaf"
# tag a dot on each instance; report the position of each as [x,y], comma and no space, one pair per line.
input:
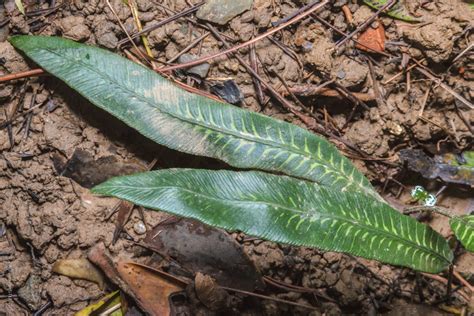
[463,228]
[288,210]
[188,122]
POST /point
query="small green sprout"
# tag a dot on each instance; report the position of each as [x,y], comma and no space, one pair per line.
[421,195]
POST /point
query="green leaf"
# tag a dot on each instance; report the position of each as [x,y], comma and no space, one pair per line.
[463,228]
[188,122]
[19,5]
[288,210]
[398,11]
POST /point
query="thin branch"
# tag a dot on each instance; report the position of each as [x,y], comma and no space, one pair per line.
[387,6]
[161,23]
[23,74]
[445,87]
[125,31]
[248,43]
[463,281]
[434,209]
[189,47]
[463,52]
[265,297]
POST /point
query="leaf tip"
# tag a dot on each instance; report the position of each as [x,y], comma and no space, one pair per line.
[104,188]
[17,40]
[98,189]
[20,6]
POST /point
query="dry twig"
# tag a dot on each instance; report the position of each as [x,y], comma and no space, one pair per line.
[248,43]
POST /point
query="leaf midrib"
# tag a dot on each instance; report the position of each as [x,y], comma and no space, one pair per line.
[270,143]
[327,215]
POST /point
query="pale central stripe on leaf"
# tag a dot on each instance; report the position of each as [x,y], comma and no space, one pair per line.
[188,122]
[288,210]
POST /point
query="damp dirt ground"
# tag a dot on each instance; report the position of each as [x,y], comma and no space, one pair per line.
[370,111]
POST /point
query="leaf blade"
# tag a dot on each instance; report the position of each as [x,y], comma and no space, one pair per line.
[190,123]
[19,5]
[463,228]
[398,11]
[287,210]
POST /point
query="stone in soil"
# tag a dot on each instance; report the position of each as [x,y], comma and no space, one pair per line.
[200,70]
[30,293]
[222,11]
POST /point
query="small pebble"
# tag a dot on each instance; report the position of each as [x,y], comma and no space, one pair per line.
[307,47]
[3,229]
[198,70]
[341,74]
[139,228]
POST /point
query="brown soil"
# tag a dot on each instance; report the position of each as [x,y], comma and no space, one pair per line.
[49,216]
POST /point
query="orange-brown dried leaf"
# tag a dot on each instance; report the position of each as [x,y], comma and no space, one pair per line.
[151,287]
[373,39]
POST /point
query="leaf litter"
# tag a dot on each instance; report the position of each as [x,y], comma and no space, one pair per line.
[294,266]
[79,268]
[151,287]
[199,248]
[450,168]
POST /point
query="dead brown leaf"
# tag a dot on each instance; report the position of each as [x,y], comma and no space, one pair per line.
[209,292]
[124,211]
[151,287]
[373,39]
[80,269]
[201,248]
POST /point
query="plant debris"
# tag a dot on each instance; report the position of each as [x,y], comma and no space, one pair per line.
[449,168]
[151,287]
[372,39]
[88,172]
[201,248]
[111,303]
[80,269]
[229,91]
[421,195]
[398,11]
[209,292]
[200,70]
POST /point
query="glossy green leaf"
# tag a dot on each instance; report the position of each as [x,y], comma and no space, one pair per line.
[188,122]
[463,228]
[288,210]
[398,11]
